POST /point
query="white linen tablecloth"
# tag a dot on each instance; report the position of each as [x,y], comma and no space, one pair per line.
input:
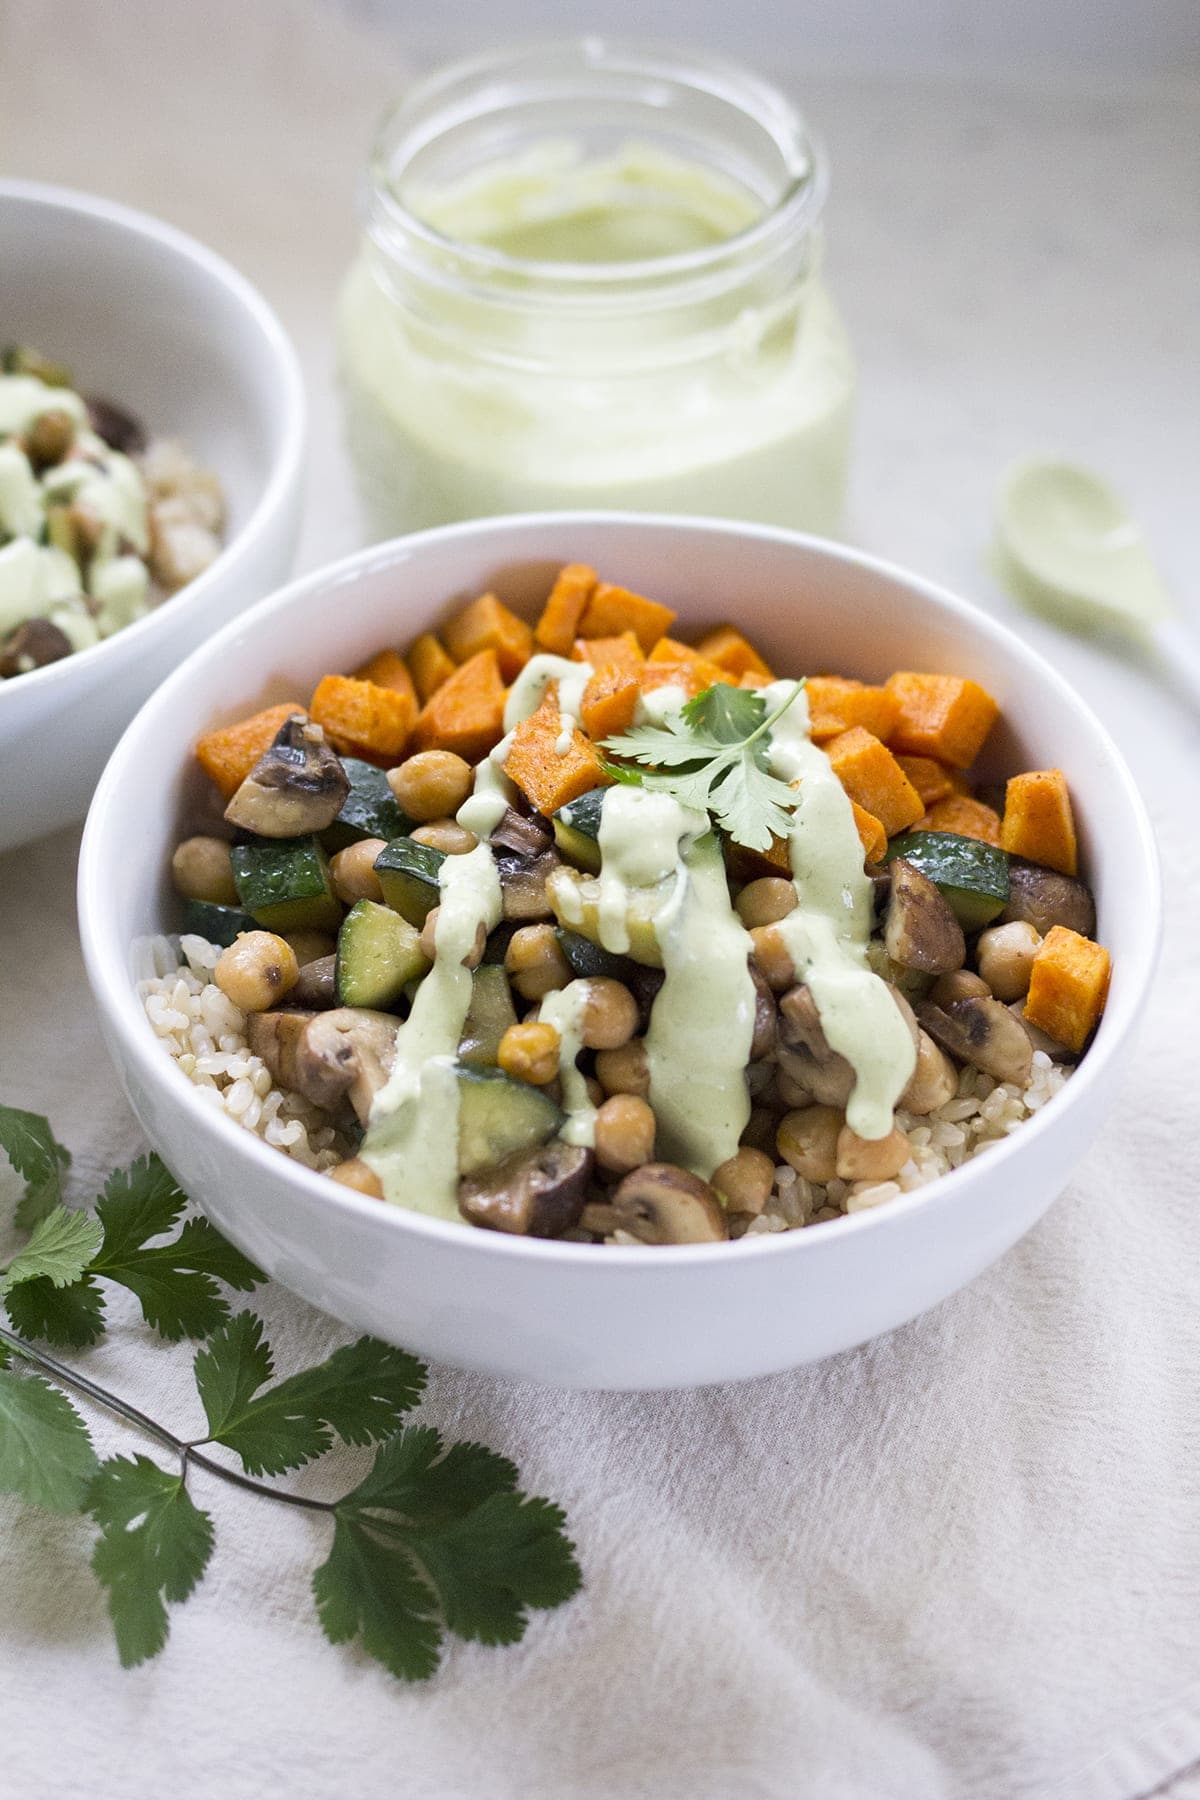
[963,1561]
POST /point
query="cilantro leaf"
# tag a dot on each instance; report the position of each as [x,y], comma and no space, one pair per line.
[428,1539]
[71,1315]
[176,1282]
[35,1153]
[154,1546]
[46,1456]
[59,1251]
[712,755]
[359,1394]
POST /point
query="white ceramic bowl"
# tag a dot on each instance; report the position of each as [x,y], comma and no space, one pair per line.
[572,1314]
[152,320]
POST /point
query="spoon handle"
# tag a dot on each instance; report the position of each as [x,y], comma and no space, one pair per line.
[1180,653]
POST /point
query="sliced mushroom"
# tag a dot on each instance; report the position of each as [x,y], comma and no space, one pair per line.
[31,646]
[1041,1040]
[805,1054]
[663,1204]
[296,786]
[1043,899]
[534,1193]
[523,885]
[982,1032]
[765,1017]
[119,429]
[920,929]
[316,985]
[524,836]
[327,1056]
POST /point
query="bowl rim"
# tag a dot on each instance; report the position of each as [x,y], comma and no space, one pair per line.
[287,380]
[114,988]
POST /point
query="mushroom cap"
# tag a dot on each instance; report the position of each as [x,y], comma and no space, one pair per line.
[920,929]
[982,1032]
[1043,898]
[661,1203]
[297,785]
[534,1193]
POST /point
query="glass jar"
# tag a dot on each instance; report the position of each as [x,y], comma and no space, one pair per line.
[590,277]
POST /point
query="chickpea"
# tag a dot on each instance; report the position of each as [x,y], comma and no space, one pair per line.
[446,835]
[474,955]
[766,901]
[610,1014]
[534,961]
[530,1052]
[353,871]
[624,1134]
[624,1070]
[310,946]
[1005,956]
[595,1092]
[961,985]
[870,1159]
[772,959]
[202,870]
[934,1080]
[257,970]
[431,785]
[745,1180]
[808,1140]
[360,1176]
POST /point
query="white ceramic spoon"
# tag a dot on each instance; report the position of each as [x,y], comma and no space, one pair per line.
[1068,546]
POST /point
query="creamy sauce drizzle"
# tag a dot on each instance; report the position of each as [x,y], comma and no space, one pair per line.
[564,1010]
[412,1138]
[828,933]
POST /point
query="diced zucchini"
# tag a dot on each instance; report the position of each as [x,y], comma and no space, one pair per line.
[586,959]
[489,1016]
[370,809]
[219,924]
[575,901]
[973,876]
[408,875]
[497,1116]
[378,954]
[285,883]
[577,830]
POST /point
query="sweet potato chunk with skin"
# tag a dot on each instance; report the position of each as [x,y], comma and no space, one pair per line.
[965,817]
[228,754]
[945,716]
[388,669]
[612,652]
[487,624]
[363,720]
[1038,822]
[874,779]
[734,653]
[931,780]
[836,705]
[466,714]
[614,609]
[874,837]
[610,701]
[550,779]
[430,665]
[1068,986]
[559,624]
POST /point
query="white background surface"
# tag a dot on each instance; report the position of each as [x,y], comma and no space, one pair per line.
[965,1561]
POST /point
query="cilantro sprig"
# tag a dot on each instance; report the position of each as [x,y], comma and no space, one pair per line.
[713,756]
[435,1538]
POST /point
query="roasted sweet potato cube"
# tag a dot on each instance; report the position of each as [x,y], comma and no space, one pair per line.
[930,778]
[870,830]
[228,754]
[614,609]
[487,624]
[1068,986]
[693,677]
[388,669]
[874,779]
[610,701]
[363,720]
[965,817]
[546,776]
[735,654]
[836,704]
[466,713]
[621,652]
[558,626]
[945,716]
[431,665]
[1038,822]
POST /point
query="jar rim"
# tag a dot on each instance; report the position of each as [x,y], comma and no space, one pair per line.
[414,120]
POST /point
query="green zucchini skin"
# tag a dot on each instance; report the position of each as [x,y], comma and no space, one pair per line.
[577,830]
[369,811]
[378,954]
[489,1016]
[972,876]
[285,883]
[408,875]
[219,924]
[498,1116]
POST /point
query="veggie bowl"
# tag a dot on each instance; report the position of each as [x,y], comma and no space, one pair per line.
[738,989]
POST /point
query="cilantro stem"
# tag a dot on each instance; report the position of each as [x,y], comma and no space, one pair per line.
[188,1453]
[775,716]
